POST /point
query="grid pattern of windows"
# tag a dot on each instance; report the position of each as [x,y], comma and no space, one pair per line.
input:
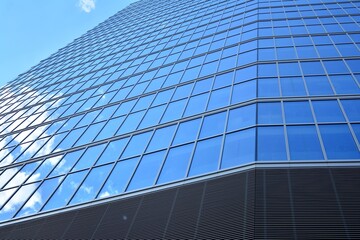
[173,95]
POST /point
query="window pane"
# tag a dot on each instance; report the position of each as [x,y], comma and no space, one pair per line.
[89,158]
[271,144]
[206,156]
[187,131]
[162,138]
[12,206]
[213,124]
[22,175]
[44,168]
[292,87]
[239,148]
[298,112]
[119,177]
[40,196]
[112,151]
[318,85]
[176,164]
[243,92]
[137,145]
[90,134]
[327,111]
[269,113]
[219,98]
[197,104]
[268,87]
[147,171]
[131,122]
[65,190]
[174,111]
[67,163]
[304,143]
[110,128]
[202,86]
[242,117]
[90,187]
[352,109]
[338,142]
[223,80]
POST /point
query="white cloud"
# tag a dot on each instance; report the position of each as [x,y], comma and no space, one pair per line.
[87,5]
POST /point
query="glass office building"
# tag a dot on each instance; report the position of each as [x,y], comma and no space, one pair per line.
[190,119]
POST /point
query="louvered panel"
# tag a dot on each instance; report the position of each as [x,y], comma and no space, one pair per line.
[152,216]
[184,217]
[85,223]
[117,219]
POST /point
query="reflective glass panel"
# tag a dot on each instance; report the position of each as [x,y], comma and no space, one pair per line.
[271,143]
[206,156]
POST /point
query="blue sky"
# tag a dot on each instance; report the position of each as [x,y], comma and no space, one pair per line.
[33,30]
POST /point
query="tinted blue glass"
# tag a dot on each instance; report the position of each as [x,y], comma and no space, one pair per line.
[289,69]
[143,103]
[196,104]
[268,87]
[271,143]
[242,117]
[310,68]
[66,164]
[335,67]
[202,86]
[206,156]
[124,108]
[137,144]
[174,111]
[267,70]
[244,92]
[91,185]
[269,113]
[13,205]
[213,125]
[152,116]
[328,111]
[356,128]
[338,142]
[71,138]
[352,109]
[113,151]
[163,97]
[182,92]
[40,196]
[146,172]
[354,64]
[131,122]
[239,148]
[187,131]
[223,80]
[64,192]
[292,87]
[89,157]
[110,128]
[90,133]
[219,98]
[119,178]
[298,112]
[304,143]
[345,84]
[161,138]
[44,169]
[244,74]
[176,164]
[318,85]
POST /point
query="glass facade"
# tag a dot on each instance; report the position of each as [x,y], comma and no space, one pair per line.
[154,96]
